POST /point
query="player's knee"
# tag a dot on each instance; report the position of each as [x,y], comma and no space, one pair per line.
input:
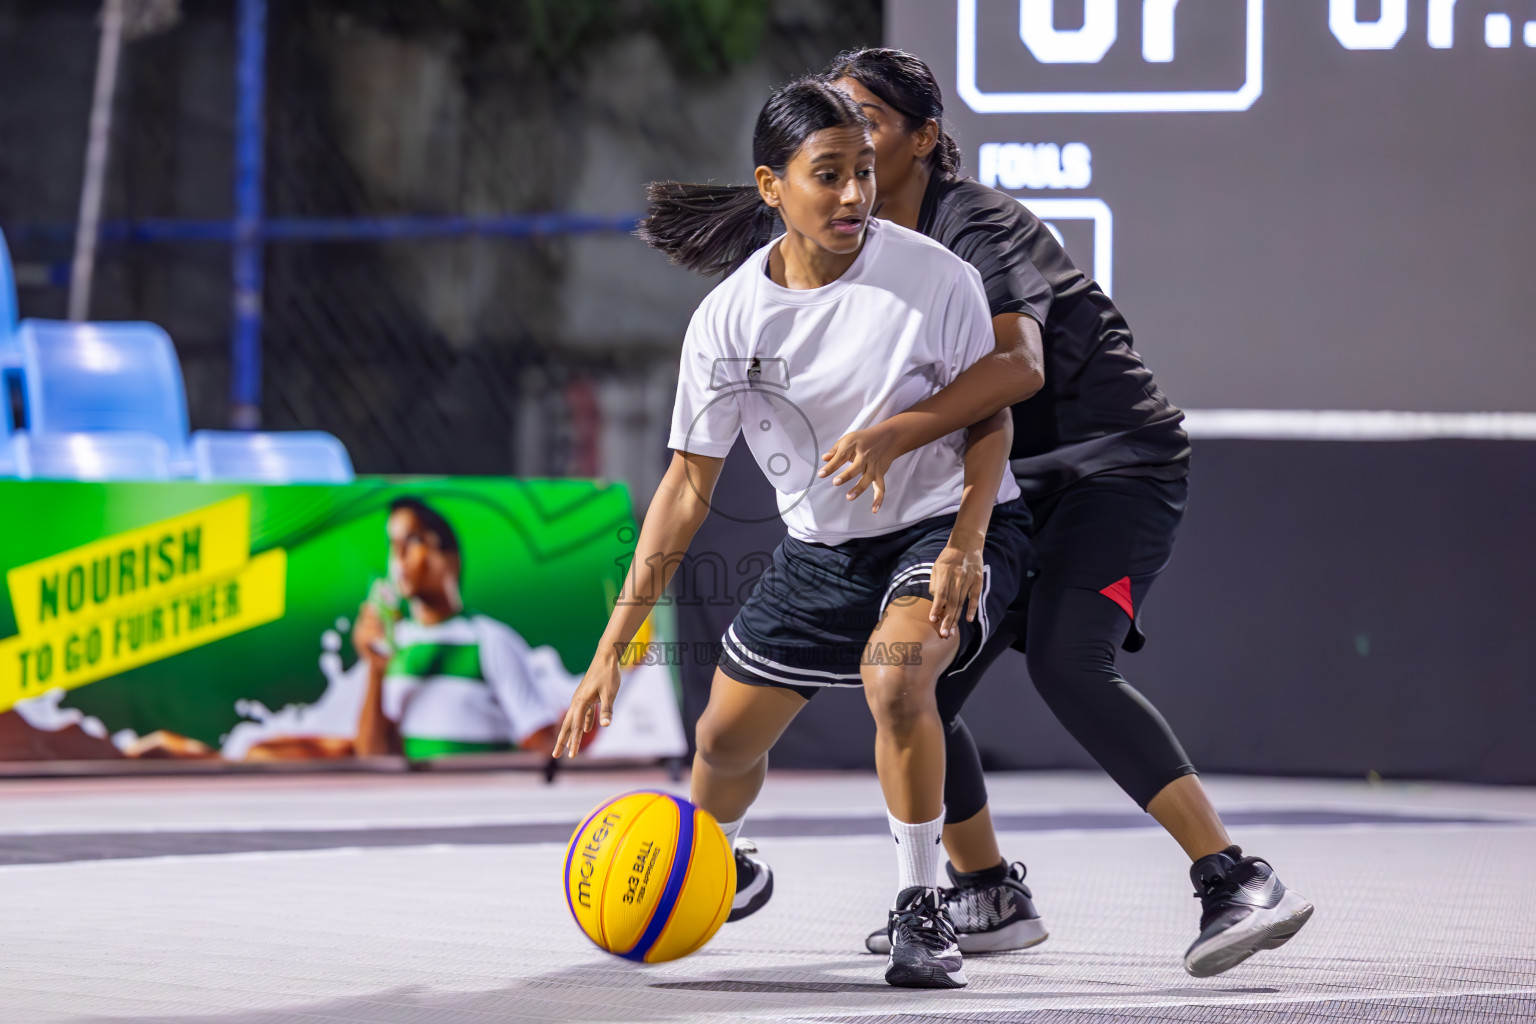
[1062,668]
[720,748]
[1049,669]
[900,697]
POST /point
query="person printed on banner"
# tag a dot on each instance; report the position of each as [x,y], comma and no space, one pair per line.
[442,679]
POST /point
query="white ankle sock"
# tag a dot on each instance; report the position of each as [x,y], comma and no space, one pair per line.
[917,851]
[732,829]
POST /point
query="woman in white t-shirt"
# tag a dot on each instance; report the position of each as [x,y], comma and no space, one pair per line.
[835,325]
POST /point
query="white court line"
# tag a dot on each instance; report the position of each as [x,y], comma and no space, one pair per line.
[451,847]
[258,855]
[201,858]
[1109,1001]
[805,814]
[1357,425]
[1101,834]
[303,825]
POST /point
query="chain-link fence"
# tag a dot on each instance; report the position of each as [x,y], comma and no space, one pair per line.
[411,313]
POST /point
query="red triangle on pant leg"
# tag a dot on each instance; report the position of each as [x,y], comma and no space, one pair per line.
[1120,593]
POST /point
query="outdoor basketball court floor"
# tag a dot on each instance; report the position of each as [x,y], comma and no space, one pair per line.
[435,899]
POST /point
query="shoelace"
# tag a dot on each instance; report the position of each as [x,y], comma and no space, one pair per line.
[1226,885]
[924,924]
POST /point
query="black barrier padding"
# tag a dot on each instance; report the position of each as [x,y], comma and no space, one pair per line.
[1332,609]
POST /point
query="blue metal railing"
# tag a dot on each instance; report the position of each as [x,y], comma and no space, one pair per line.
[340,229]
[245,256]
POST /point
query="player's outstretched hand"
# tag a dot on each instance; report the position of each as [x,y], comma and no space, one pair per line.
[591,705]
[867,454]
[956,586]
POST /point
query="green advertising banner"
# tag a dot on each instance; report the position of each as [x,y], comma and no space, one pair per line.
[242,621]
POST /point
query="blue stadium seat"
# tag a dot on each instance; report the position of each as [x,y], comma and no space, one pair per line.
[10,353]
[124,455]
[7,449]
[86,377]
[298,457]
[7,289]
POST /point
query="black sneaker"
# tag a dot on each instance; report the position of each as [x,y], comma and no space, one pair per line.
[923,949]
[992,911]
[754,882]
[1246,909]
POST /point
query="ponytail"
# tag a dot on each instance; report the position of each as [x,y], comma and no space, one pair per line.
[713,228]
[710,229]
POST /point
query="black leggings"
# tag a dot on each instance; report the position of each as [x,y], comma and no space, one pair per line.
[1070,635]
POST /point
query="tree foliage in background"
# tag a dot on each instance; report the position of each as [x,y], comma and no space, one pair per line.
[700,37]
[708,37]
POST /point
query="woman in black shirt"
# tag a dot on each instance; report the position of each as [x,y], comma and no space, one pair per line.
[1102,458]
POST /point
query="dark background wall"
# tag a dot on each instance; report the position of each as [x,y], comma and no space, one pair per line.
[1357,238]
[1331,609]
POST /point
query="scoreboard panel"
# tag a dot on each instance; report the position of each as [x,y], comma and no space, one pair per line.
[1300,204]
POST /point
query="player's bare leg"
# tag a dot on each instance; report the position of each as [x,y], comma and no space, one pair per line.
[737,729]
[739,726]
[1183,808]
[972,843]
[906,656]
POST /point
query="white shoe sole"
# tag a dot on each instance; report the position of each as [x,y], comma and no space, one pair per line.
[1019,935]
[907,976]
[755,896]
[1262,929]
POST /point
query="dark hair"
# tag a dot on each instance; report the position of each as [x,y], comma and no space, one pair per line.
[713,228]
[432,520]
[907,86]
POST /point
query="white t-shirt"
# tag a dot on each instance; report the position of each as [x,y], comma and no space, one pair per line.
[796,369]
[470,679]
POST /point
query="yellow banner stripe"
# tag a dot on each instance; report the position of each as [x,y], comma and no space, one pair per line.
[87,648]
[84,583]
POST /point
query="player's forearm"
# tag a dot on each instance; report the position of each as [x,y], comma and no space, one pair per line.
[1006,376]
[674,517]
[986,460]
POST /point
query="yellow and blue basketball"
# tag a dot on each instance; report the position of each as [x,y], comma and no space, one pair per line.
[649,877]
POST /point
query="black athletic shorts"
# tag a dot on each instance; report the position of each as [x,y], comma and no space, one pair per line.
[808,622]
